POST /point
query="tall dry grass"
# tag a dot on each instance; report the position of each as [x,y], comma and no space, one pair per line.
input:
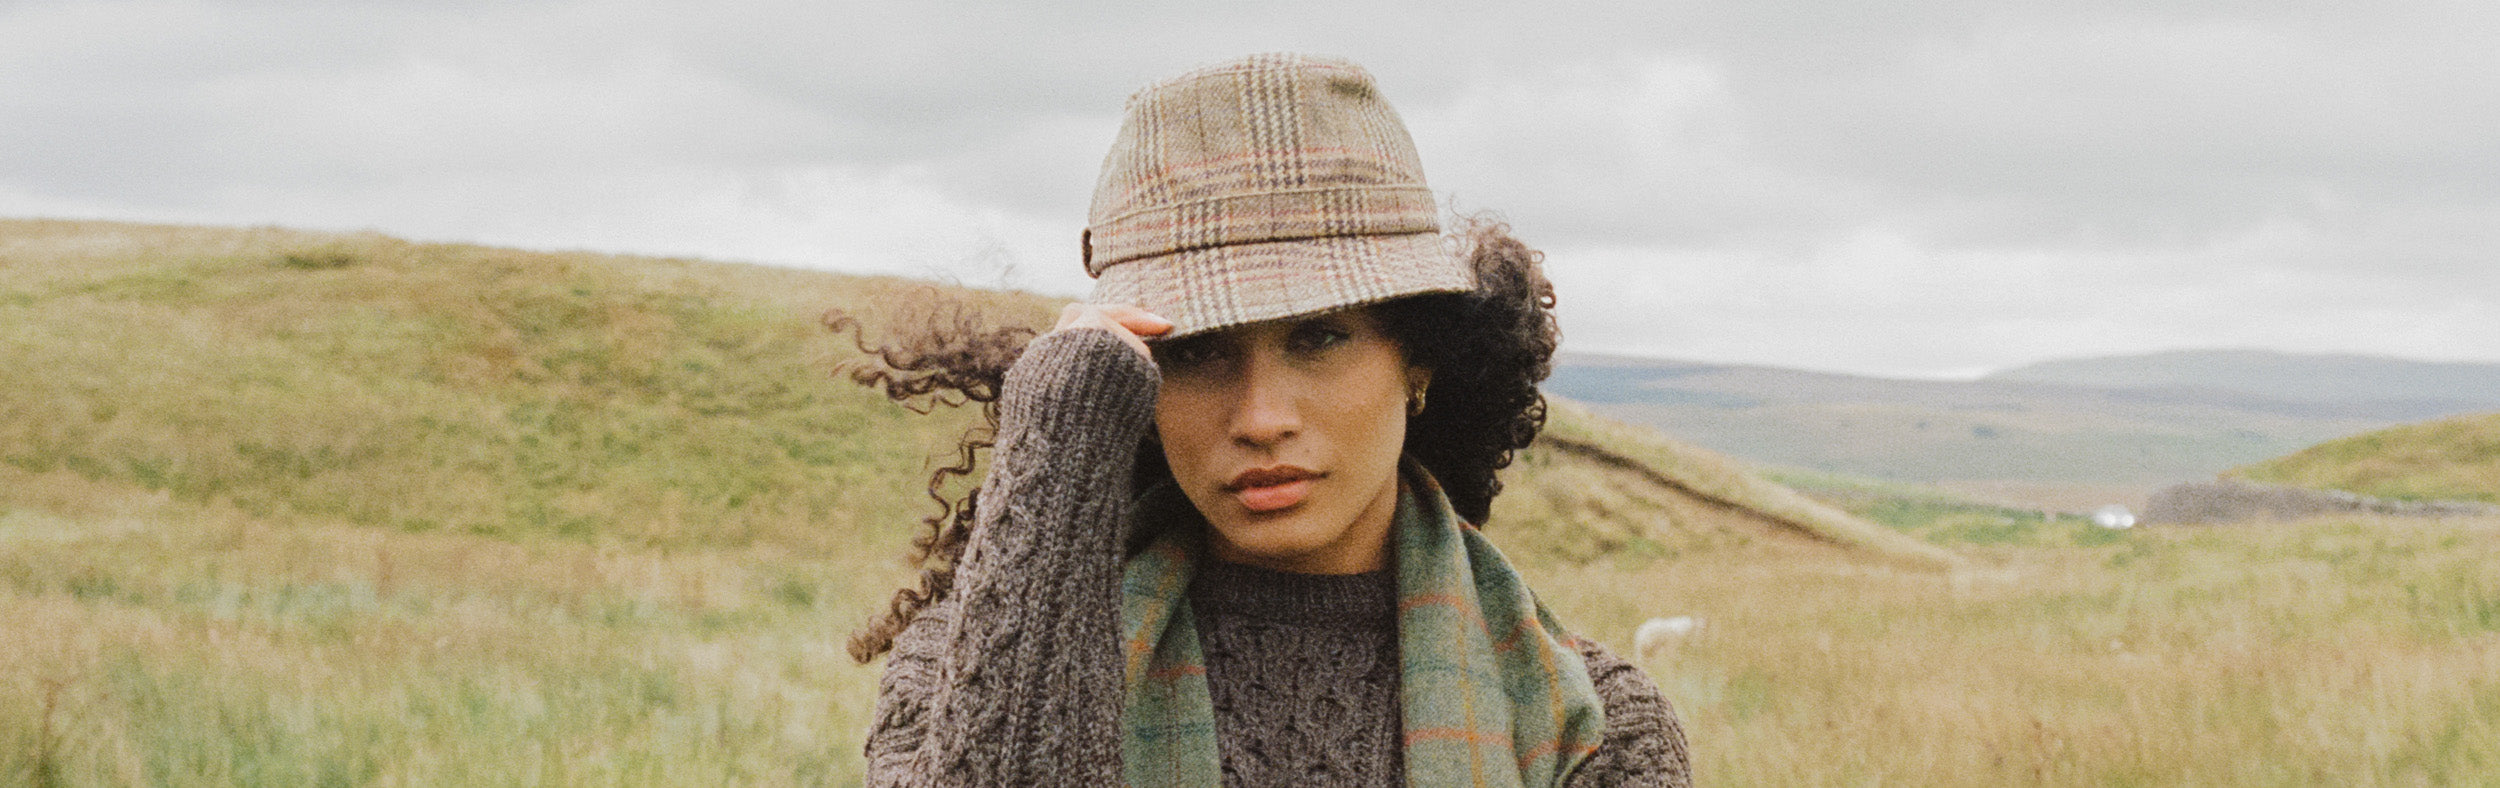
[163,643]
[2331,652]
[154,642]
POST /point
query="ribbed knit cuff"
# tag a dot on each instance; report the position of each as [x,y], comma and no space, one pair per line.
[1082,382]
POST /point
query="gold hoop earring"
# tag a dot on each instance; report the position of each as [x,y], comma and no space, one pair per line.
[1415,401]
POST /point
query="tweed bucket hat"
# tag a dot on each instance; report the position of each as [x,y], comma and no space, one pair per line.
[1267,187]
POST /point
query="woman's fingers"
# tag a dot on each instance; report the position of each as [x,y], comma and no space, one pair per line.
[1129,323]
[1139,321]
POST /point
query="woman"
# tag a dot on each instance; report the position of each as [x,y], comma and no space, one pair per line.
[1225,536]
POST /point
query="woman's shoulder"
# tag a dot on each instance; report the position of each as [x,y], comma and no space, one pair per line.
[1617,679]
[1644,742]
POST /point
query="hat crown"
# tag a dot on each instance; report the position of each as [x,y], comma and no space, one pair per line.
[1267,187]
[1272,147]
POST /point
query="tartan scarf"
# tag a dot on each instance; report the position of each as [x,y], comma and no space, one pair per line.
[1492,694]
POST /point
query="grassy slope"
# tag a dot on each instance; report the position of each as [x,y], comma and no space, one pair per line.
[424,511]
[283,508]
[424,387]
[1719,479]
[2456,458]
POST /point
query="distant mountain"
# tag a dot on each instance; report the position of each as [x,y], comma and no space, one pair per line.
[2397,387]
[2113,436]
[2455,459]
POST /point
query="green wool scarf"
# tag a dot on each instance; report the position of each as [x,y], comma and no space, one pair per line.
[1492,694]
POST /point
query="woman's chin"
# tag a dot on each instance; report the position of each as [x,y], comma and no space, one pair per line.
[1277,540]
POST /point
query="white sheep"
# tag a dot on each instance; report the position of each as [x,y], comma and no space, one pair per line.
[1656,634]
[2113,517]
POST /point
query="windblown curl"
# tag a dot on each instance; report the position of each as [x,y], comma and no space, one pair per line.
[953,352]
[1488,350]
[953,357]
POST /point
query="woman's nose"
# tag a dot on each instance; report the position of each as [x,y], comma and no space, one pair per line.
[1267,412]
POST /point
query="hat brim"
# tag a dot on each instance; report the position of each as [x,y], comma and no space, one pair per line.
[1216,287]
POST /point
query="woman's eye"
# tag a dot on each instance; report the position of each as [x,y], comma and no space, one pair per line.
[1318,336]
[1184,353]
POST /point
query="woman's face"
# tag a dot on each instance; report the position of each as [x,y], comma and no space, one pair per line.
[1286,435]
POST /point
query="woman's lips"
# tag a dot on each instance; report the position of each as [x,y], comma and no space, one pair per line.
[1272,488]
[1273,497]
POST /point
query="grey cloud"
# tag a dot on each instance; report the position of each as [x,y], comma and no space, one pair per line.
[1923,185]
[2134,127]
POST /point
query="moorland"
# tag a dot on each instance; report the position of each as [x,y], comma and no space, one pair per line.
[295,508]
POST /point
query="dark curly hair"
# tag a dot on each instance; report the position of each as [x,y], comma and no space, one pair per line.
[1487,349]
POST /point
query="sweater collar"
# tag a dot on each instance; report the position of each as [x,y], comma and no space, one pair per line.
[1357,601]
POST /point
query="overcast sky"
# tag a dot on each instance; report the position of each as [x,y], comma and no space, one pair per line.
[1915,187]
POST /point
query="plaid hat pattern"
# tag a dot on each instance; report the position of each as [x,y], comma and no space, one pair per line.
[1267,187]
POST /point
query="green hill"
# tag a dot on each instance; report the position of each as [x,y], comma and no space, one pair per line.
[371,381]
[445,511]
[2456,458]
[376,382]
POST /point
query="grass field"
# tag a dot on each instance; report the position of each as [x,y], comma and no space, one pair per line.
[2339,652]
[291,509]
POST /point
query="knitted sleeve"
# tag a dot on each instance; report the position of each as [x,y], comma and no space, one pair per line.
[1016,678]
[1644,744]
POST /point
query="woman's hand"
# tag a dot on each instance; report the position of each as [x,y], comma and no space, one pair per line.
[1128,323]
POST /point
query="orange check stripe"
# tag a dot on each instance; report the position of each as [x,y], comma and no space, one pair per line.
[1177,671]
[1539,751]
[1420,600]
[1420,735]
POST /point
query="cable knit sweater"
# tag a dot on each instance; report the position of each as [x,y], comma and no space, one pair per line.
[1016,678]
